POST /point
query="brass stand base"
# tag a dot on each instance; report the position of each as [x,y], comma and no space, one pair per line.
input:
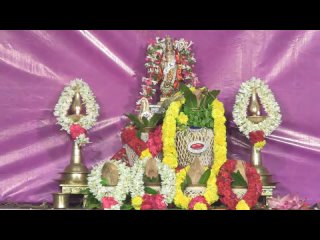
[267,192]
[61,200]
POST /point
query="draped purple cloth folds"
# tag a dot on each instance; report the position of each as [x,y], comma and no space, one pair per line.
[35,66]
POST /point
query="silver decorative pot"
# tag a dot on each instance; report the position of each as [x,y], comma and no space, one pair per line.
[195,143]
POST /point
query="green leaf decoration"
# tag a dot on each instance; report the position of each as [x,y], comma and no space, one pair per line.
[155,119]
[104,182]
[136,121]
[151,180]
[187,182]
[91,201]
[238,180]
[191,99]
[210,97]
[150,190]
[145,121]
[126,207]
[205,176]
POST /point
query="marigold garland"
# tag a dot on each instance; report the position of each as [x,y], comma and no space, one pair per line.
[170,155]
[210,195]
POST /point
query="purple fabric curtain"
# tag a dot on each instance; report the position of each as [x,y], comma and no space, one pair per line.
[35,66]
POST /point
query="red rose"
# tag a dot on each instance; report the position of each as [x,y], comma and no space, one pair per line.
[256,136]
[76,130]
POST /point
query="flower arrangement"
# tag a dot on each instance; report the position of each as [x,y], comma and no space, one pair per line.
[152,147]
[184,57]
[228,197]
[77,130]
[201,202]
[112,197]
[174,117]
[144,198]
[287,202]
[256,132]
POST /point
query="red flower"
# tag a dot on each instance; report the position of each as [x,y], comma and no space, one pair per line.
[224,180]
[108,202]
[256,136]
[153,202]
[76,130]
[128,134]
[154,142]
[198,199]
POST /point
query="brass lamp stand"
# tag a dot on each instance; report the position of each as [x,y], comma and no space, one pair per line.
[74,177]
[255,117]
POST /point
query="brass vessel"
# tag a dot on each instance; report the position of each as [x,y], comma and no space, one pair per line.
[60,200]
[256,160]
[76,172]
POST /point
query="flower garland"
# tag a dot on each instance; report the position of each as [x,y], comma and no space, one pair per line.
[184,57]
[77,130]
[111,197]
[170,155]
[129,137]
[228,197]
[143,201]
[270,105]
[202,202]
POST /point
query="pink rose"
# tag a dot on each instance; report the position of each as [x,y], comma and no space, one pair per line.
[108,202]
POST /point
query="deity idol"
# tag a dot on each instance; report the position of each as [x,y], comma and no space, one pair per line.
[171,71]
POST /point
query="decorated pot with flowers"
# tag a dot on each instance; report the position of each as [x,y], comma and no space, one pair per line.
[142,137]
[195,136]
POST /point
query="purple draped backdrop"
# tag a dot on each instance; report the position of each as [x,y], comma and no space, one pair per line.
[35,66]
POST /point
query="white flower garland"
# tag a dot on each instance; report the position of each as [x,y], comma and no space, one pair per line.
[118,192]
[268,101]
[168,179]
[65,100]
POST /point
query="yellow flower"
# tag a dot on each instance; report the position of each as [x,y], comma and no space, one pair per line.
[260,144]
[145,153]
[183,118]
[169,127]
[200,206]
[219,144]
[136,202]
[242,205]
[192,89]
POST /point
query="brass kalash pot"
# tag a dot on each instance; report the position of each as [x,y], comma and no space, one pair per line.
[255,117]
[74,177]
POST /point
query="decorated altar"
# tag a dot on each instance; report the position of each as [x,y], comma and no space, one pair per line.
[182,144]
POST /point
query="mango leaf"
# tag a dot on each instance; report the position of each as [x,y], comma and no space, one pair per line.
[126,207]
[150,190]
[104,182]
[151,180]
[136,121]
[205,176]
[238,180]
[210,97]
[187,181]
[191,99]
[155,119]
[145,121]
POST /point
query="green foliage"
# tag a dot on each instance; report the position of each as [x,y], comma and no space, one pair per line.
[91,201]
[198,112]
[104,182]
[151,180]
[126,207]
[205,176]
[149,190]
[238,180]
[145,123]
[187,181]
